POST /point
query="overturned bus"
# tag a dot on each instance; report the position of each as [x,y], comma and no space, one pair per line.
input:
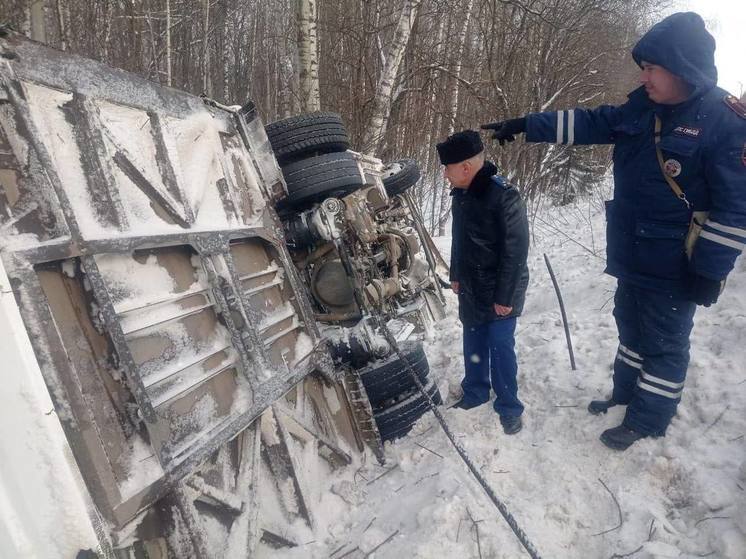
[191,315]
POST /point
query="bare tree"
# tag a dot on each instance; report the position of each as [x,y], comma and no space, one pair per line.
[206,82]
[168,43]
[376,129]
[403,73]
[63,20]
[444,198]
[308,60]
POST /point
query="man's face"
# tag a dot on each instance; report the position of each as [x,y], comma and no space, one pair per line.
[662,86]
[458,174]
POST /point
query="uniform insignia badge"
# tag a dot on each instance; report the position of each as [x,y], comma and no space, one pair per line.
[672,168]
[735,105]
[689,131]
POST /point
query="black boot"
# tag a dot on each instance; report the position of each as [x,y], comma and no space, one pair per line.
[620,438]
[511,425]
[597,407]
[463,405]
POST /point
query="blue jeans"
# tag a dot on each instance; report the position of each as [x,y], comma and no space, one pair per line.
[653,355]
[489,360]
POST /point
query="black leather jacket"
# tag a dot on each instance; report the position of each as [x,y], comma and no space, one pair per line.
[489,247]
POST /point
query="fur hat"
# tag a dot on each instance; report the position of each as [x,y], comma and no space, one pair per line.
[459,147]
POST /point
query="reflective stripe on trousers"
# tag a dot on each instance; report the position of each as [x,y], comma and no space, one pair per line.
[653,355]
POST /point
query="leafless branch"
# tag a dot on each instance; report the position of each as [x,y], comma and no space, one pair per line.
[630,554]
[384,542]
[430,451]
[701,520]
[618,508]
[391,469]
[718,418]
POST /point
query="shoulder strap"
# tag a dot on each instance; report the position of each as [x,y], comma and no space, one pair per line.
[669,179]
[498,180]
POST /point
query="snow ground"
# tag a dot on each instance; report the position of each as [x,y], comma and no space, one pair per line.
[680,496]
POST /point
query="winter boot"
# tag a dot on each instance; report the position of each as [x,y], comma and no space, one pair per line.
[511,425]
[597,407]
[620,438]
[463,405]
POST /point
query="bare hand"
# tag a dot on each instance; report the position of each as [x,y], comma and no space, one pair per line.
[502,311]
[455,287]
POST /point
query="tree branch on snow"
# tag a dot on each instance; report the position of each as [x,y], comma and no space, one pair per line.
[384,542]
[630,554]
[718,418]
[475,525]
[619,511]
[710,518]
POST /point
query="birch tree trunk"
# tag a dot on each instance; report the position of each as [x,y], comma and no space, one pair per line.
[168,42]
[445,198]
[63,19]
[431,198]
[308,58]
[376,127]
[37,24]
[206,52]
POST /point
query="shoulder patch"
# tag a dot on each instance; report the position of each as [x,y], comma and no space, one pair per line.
[735,105]
[500,181]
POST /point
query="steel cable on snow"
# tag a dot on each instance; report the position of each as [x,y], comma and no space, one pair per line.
[520,534]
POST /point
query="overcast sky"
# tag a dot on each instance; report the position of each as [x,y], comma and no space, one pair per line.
[726,20]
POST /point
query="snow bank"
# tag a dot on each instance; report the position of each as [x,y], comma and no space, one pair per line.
[680,496]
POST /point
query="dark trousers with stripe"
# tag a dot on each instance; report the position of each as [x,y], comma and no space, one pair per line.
[653,355]
[490,361]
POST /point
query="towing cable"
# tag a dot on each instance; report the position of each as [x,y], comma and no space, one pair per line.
[520,534]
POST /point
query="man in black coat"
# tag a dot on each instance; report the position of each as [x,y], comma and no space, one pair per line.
[488,272]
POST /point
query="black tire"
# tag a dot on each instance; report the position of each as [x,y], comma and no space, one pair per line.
[400,175]
[325,176]
[397,420]
[299,136]
[388,378]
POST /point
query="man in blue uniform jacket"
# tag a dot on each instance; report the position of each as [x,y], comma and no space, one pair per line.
[488,272]
[679,155]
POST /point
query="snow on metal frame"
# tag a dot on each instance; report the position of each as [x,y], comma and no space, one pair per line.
[146,206]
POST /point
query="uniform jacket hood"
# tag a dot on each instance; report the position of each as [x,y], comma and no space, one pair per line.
[681,44]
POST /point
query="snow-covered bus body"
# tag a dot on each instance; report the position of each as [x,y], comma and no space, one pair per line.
[166,389]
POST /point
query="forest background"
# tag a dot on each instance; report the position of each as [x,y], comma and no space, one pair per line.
[403,74]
